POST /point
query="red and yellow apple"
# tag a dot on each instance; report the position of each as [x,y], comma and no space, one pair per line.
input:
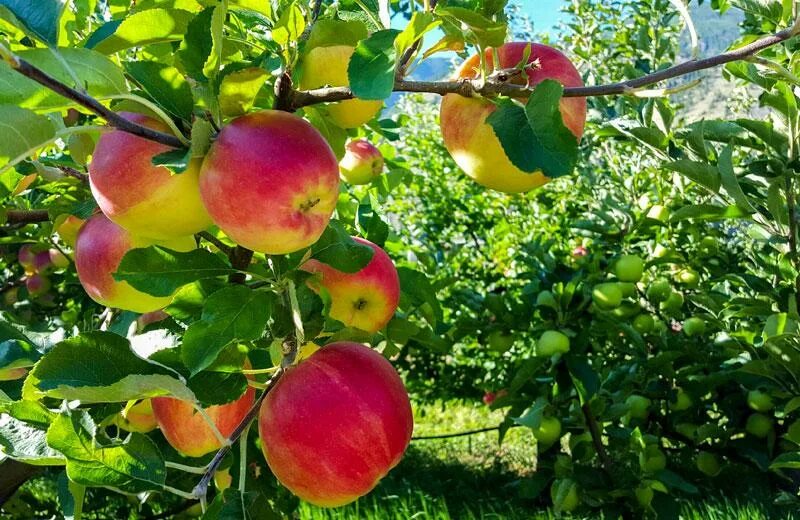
[138,418]
[187,431]
[147,200]
[366,299]
[37,285]
[472,141]
[67,228]
[99,249]
[271,182]
[327,66]
[26,256]
[361,163]
[336,424]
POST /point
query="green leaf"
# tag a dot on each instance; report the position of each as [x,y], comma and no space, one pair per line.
[327,32]
[731,183]
[232,313]
[706,212]
[26,442]
[99,77]
[70,497]
[161,272]
[165,84]
[786,461]
[477,28]
[211,66]
[704,174]
[421,23]
[535,139]
[532,418]
[100,367]
[335,135]
[238,90]
[133,465]
[289,26]
[371,68]
[337,249]
[40,18]
[145,28]
[416,291]
[22,133]
[232,505]
[197,44]
[16,350]
[584,378]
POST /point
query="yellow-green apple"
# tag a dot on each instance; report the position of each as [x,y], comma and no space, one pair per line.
[68,228]
[271,182]
[694,326]
[100,246]
[500,340]
[365,299]
[759,401]
[638,406]
[138,418]
[629,268]
[472,141]
[607,295]
[361,163]
[37,285]
[335,424]
[643,323]
[659,291]
[548,432]
[758,425]
[688,277]
[186,429]
[552,342]
[658,212]
[327,66]
[707,463]
[564,494]
[147,200]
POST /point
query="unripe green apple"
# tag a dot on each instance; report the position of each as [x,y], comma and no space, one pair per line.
[626,310]
[708,246]
[628,289]
[644,495]
[673,303]
[638,406]
[629,268]
[643,323]
[660,251]
[658,212]
[552,342]
[546,299]
[548,432]
[759,401]
[652,459]
[607,295]
[500,341]
[682,401]
[688,277]
[694,326]
[659,291]
[758,425]
[707,463]
[361,163]
[567,490]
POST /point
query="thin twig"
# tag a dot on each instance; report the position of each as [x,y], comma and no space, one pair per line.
[471,87]
[597,439]
[75,174]
[460,434]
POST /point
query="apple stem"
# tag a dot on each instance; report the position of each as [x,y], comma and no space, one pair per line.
[257,371]
[220,438]
[243,460]
[183,467]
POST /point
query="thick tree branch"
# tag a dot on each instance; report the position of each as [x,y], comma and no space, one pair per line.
[497,85]
[86,101]
[26,216]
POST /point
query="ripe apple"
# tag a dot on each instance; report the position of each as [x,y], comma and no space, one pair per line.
[57,259]
[100,246]
[366,299]
[270,182]
[37,285]
[643,323]
[334,425]
[68,229]
[187,431]
[26,256]
[759,401]
[548,432]
[652,459]
[41,262]
[328,66]
[472,141]
[500,340]
[580,252]
[148,318]
[552,342]
[659,291]
[707,463]
[607,295]
[361,163]
[138,418]
[638,406]
[694,326]
[570,500]
[758,425]
[629,268]
[682,401]
[147,200]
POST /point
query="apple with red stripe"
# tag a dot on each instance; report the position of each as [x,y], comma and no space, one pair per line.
[271,182]
[335,424]
[361,163]
[187,431]
[365,299]
[138,418]
[472,141]
[149,201]
[99,249]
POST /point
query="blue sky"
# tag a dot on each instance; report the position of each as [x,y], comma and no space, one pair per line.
[543,13]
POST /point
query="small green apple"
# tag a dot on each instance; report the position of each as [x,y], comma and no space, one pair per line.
[638,406]
[643,323]
[658,212]
[548,432]
[659,291]
[500,341]
[627,310]
[694,326]
[564,494]
[552,342]
[628,289]
[629,268]
[652,459]
[708,246]
[707,463]
[644,495]
[607,295]
[687,277]
[682,401]
[758,425]
[759,401]
[673,303]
